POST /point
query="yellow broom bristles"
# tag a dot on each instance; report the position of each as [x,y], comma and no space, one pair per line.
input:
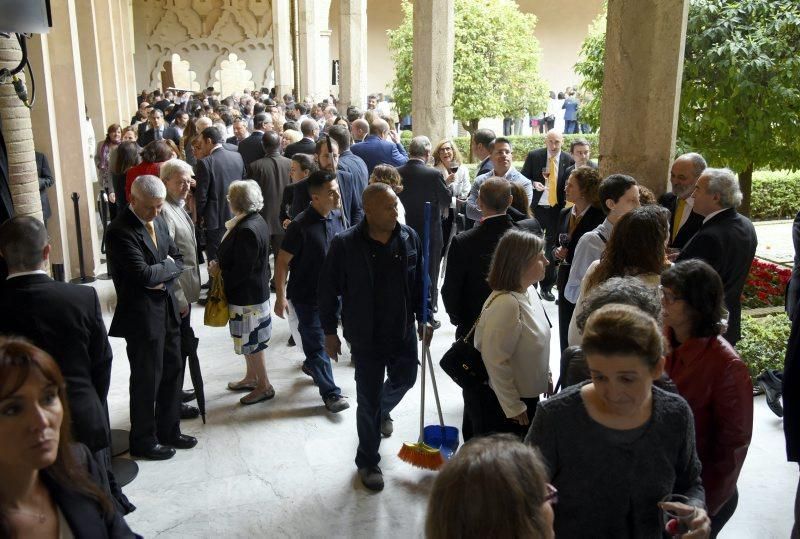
[421,455]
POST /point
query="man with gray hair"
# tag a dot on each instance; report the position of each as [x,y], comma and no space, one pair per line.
[684,223]
[421,184]
[144,264]
[726,239]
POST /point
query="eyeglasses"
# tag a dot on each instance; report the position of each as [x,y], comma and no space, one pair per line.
[668,296]
[552,494]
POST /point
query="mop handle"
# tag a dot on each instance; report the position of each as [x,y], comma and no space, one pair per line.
[435,389]
[426,232]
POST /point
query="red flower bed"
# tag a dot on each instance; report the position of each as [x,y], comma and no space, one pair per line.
[765,285]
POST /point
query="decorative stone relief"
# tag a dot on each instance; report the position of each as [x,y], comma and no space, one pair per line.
[221,43]
[184,77]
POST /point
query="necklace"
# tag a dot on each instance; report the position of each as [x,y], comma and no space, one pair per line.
[40,516]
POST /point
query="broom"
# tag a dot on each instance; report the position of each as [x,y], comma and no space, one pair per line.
[420,454]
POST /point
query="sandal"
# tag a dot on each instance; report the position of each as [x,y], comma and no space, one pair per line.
[244,385]
[258,397]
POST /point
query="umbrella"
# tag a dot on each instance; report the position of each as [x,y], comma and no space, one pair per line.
[189,350]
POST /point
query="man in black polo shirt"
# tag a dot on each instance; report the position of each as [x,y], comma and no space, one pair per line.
[376,268]
[303,249]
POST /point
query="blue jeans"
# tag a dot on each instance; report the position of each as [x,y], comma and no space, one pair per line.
[313,341]
[376,397]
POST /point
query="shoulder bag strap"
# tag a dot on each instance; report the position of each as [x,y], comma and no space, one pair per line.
[471,331]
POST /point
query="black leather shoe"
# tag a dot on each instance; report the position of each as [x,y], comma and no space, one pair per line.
[202,301]
[772,386]
[184,441]
[188,395]
[547,295]
[189,412]
[291,341]
[435,324]
[206,285]
[156,452]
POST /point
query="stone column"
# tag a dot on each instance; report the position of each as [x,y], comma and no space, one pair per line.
[352,54]
[324,66]
[127,88]
[67,121]
[641,88]
[90,61]
[110,53]
[307,55]
[282,47]
[432,84]
[23,181]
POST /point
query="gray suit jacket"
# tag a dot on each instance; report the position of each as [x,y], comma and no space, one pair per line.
[181,230]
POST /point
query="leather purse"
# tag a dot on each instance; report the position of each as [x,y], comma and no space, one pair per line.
[216,313]
[462,362]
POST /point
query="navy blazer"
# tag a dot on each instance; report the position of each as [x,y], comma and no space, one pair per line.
[136,266]
[532,169]
[243,259]
[376,151]
[357,168]
[304,145]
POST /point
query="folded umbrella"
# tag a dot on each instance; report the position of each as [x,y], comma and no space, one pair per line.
[189,345]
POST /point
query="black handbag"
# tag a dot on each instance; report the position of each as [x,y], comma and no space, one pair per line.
[463,363]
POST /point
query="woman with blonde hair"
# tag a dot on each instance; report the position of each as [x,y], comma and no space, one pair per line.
[447,159]
[289,136]
[388,174]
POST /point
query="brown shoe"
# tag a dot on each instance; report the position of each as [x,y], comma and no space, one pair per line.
[243,385]
[254,397]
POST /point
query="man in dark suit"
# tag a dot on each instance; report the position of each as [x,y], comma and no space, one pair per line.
[64,320]
[422,184]
[239,132]
[45,181]
[271,173]
[684,223]
[348,161]
[377,150]
[482,142]
[214,174]
[310,130]
[580,150]
[158,130]
[251,148]
[548,197]
[144,264]
[726,239]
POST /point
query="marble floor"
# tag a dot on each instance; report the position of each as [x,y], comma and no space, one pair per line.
[284,468]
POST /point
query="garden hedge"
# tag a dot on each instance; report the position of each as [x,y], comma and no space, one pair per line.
[763,344]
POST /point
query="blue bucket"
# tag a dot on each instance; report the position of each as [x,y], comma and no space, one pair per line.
[443,438]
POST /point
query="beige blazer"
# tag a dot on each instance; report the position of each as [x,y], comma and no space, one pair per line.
[181,230]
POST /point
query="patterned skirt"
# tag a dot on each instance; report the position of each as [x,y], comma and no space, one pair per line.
[250,326]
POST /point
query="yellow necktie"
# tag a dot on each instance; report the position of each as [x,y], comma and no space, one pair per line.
[552,183]
[152,231]
[676,223]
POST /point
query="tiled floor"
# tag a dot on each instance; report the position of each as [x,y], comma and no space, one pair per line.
[285,468]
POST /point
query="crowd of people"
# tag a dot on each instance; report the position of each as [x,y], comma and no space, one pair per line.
[327,212]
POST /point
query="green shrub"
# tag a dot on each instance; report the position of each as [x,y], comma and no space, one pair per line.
[775,195]
[763,344]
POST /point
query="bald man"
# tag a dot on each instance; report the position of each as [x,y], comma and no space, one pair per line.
[381,147]
[380,300]
[360,129]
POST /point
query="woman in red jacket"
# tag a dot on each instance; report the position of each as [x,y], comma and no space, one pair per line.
[711,377]
[153,155]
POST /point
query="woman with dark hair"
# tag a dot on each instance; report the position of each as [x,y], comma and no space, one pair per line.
[616,446]
[123,158]
[189,132]
[301,168]
[101,162]
[637,248]
[582,191]
[711,377]
[50,486]
[495,486]
[520,211]
[153,155]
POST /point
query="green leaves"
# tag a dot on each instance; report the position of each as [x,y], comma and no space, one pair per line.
[763,344]
[496,65]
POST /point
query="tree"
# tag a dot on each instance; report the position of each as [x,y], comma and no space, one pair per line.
[496,65]
[740,96]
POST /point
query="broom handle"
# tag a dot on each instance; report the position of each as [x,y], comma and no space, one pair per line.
[422,404]
[426,233]
[435,389]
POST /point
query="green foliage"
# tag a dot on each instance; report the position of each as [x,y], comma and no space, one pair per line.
[496,61]
[776,195]
[591,59]
[763,344]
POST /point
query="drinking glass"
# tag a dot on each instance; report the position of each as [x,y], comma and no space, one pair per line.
[677,517]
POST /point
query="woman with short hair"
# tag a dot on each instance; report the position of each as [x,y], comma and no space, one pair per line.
[153,155]
[615,446]
[513,336]
[244,266]
[711,377]
[289,136]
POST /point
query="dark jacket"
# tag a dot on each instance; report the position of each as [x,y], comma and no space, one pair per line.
[716,384]
[271,173]
[347,272]
[485,166]
[465,288]
[251,149]
[728,243]
[65,320]
[243,260]
[524,222]
[84,516]
[357,168]
[532,169]
[376,151]
[214,174]
[136,264]
[422,184]
[791,369]
[689,228]
[590,220]
[169,133]
[45,181]
[304,145]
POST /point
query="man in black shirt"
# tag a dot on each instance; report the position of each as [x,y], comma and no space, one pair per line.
[303,249]
[376,268]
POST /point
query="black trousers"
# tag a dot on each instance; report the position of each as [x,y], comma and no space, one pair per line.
[565,307]
[156,369]
[433,270]
[486,416]
[548,219]
[724,514]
